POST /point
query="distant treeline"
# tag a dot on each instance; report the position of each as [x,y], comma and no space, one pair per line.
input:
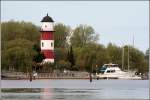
[75,49]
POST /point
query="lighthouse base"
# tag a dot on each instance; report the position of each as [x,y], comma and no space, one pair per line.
[48,61]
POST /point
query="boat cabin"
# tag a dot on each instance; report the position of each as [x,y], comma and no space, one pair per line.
[109,68]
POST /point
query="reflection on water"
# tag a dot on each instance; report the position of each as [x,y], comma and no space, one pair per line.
[75,90]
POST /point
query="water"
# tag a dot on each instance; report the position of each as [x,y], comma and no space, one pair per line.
[75,90]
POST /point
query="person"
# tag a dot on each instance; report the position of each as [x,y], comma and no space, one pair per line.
[90,77]
[30,77]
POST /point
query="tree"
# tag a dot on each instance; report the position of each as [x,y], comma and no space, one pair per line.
[23,30]
[86,56]
[82,35]
[115,54]
[17,44]
[60,54]
[18,54]
[71,57]
[38,58]
[137,60]
[61,33]
[147,54]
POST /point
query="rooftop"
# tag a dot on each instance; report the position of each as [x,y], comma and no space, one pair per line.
[47,19]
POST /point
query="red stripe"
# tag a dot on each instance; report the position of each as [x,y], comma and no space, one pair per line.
[48,54]
[47,36]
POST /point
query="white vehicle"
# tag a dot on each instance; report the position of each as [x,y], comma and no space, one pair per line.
[112,71]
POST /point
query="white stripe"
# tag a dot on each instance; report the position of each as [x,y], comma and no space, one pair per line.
[47,26]
[49,60]
[47,44]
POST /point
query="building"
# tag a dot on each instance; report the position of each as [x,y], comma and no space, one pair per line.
[47,39]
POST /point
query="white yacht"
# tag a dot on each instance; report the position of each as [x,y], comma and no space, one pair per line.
[112,71]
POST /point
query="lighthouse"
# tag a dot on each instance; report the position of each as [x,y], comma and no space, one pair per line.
[47,39]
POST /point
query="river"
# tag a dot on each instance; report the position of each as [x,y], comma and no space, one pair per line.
[75,90]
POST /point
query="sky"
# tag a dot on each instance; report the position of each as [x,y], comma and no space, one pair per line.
[115,21]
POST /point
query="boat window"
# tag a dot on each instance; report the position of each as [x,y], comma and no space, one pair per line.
[102,71]
[103,68]
[112,71]
[108,71]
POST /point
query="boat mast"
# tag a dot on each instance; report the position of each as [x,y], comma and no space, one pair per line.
[129,54]
[133,40]
[122,57]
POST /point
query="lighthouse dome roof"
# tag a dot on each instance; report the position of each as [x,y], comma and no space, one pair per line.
[47,19]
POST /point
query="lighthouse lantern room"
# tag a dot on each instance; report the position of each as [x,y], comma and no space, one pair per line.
[47,39]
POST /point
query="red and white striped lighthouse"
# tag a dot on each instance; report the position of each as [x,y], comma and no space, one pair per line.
[47,39]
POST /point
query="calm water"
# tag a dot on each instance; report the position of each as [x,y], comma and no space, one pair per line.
[75,90]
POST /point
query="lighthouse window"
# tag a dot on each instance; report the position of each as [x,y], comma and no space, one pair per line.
[42,44]
[51,44]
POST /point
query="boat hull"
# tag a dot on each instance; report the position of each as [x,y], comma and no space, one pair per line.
[115,77]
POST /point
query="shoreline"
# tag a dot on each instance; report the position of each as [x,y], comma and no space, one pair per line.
[67,78]
[40,78]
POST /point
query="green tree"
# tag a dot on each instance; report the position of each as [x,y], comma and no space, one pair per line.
[18,54]
[82,35]
[147,54]
[115,54]
[137,60]
[60,54]
[38,58]
[61,33]
[24,30]
[17,44]
[71,57]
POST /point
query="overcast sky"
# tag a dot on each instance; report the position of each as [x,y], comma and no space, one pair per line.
[115,21]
